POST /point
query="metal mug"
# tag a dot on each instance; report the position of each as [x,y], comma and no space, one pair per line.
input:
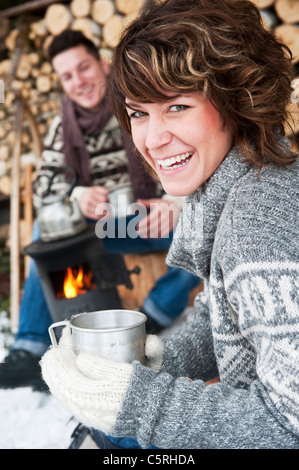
[118,335]
[121,200]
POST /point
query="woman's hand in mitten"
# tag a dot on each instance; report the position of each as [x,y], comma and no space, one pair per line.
[154,351]
[90,387]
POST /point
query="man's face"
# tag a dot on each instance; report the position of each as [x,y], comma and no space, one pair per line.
[82,76]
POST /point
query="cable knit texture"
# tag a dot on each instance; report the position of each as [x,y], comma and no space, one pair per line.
[90,387]
[239,232]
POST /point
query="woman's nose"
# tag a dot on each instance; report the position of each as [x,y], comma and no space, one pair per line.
[157,134]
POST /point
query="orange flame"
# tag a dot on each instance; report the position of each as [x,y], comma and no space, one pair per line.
[76,284]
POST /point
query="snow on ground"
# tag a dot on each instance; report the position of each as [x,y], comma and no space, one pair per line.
[30,419]
[33,420]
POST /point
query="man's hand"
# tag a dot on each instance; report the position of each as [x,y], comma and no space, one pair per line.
[161,220]
[93,202]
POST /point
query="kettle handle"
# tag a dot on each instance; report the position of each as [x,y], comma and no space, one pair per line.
[51,331]
[57,171]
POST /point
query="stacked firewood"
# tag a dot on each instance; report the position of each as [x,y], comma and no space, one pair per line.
[27,74]
[282,17]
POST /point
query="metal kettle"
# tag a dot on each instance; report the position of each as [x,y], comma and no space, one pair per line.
[60,216]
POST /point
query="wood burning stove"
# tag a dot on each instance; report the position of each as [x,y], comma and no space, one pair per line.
[77,275]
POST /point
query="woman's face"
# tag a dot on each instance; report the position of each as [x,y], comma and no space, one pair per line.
[183,140]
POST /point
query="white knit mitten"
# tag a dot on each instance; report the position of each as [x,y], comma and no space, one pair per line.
[66,339]
[154,351]
[90,387]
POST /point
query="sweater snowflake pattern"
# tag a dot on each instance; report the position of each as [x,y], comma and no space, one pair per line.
[239,232]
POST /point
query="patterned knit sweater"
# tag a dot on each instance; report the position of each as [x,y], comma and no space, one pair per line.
[239,232]
[112,164]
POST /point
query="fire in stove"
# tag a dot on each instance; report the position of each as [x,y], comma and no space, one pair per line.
[72,281]
[77,275]
[76,283]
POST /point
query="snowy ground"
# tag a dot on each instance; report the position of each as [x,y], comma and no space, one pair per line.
[33,420]
[28,419]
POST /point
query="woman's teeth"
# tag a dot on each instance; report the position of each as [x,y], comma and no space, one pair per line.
[174,162]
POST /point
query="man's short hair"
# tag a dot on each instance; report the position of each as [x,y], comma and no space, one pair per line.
[68,39]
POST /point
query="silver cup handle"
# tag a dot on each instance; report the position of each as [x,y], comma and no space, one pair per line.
[51,331]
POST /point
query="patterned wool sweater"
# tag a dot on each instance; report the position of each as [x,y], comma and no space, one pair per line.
[239,232]
[112,164]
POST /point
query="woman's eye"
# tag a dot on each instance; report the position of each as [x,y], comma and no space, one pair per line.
[137,114]
[178,107]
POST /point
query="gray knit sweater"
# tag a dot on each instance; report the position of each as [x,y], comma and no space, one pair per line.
[239,232]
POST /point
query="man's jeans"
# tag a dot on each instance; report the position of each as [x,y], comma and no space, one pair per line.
[166,301]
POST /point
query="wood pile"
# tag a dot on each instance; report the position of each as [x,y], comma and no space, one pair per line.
[27,30]
[26,73]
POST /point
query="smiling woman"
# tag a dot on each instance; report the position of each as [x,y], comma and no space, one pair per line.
[190,83]
[216,52]
[183,139]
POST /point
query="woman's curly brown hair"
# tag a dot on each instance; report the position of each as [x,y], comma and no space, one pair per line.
[219,47]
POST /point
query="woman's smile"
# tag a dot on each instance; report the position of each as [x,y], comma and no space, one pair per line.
[183,139]
[173,163]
